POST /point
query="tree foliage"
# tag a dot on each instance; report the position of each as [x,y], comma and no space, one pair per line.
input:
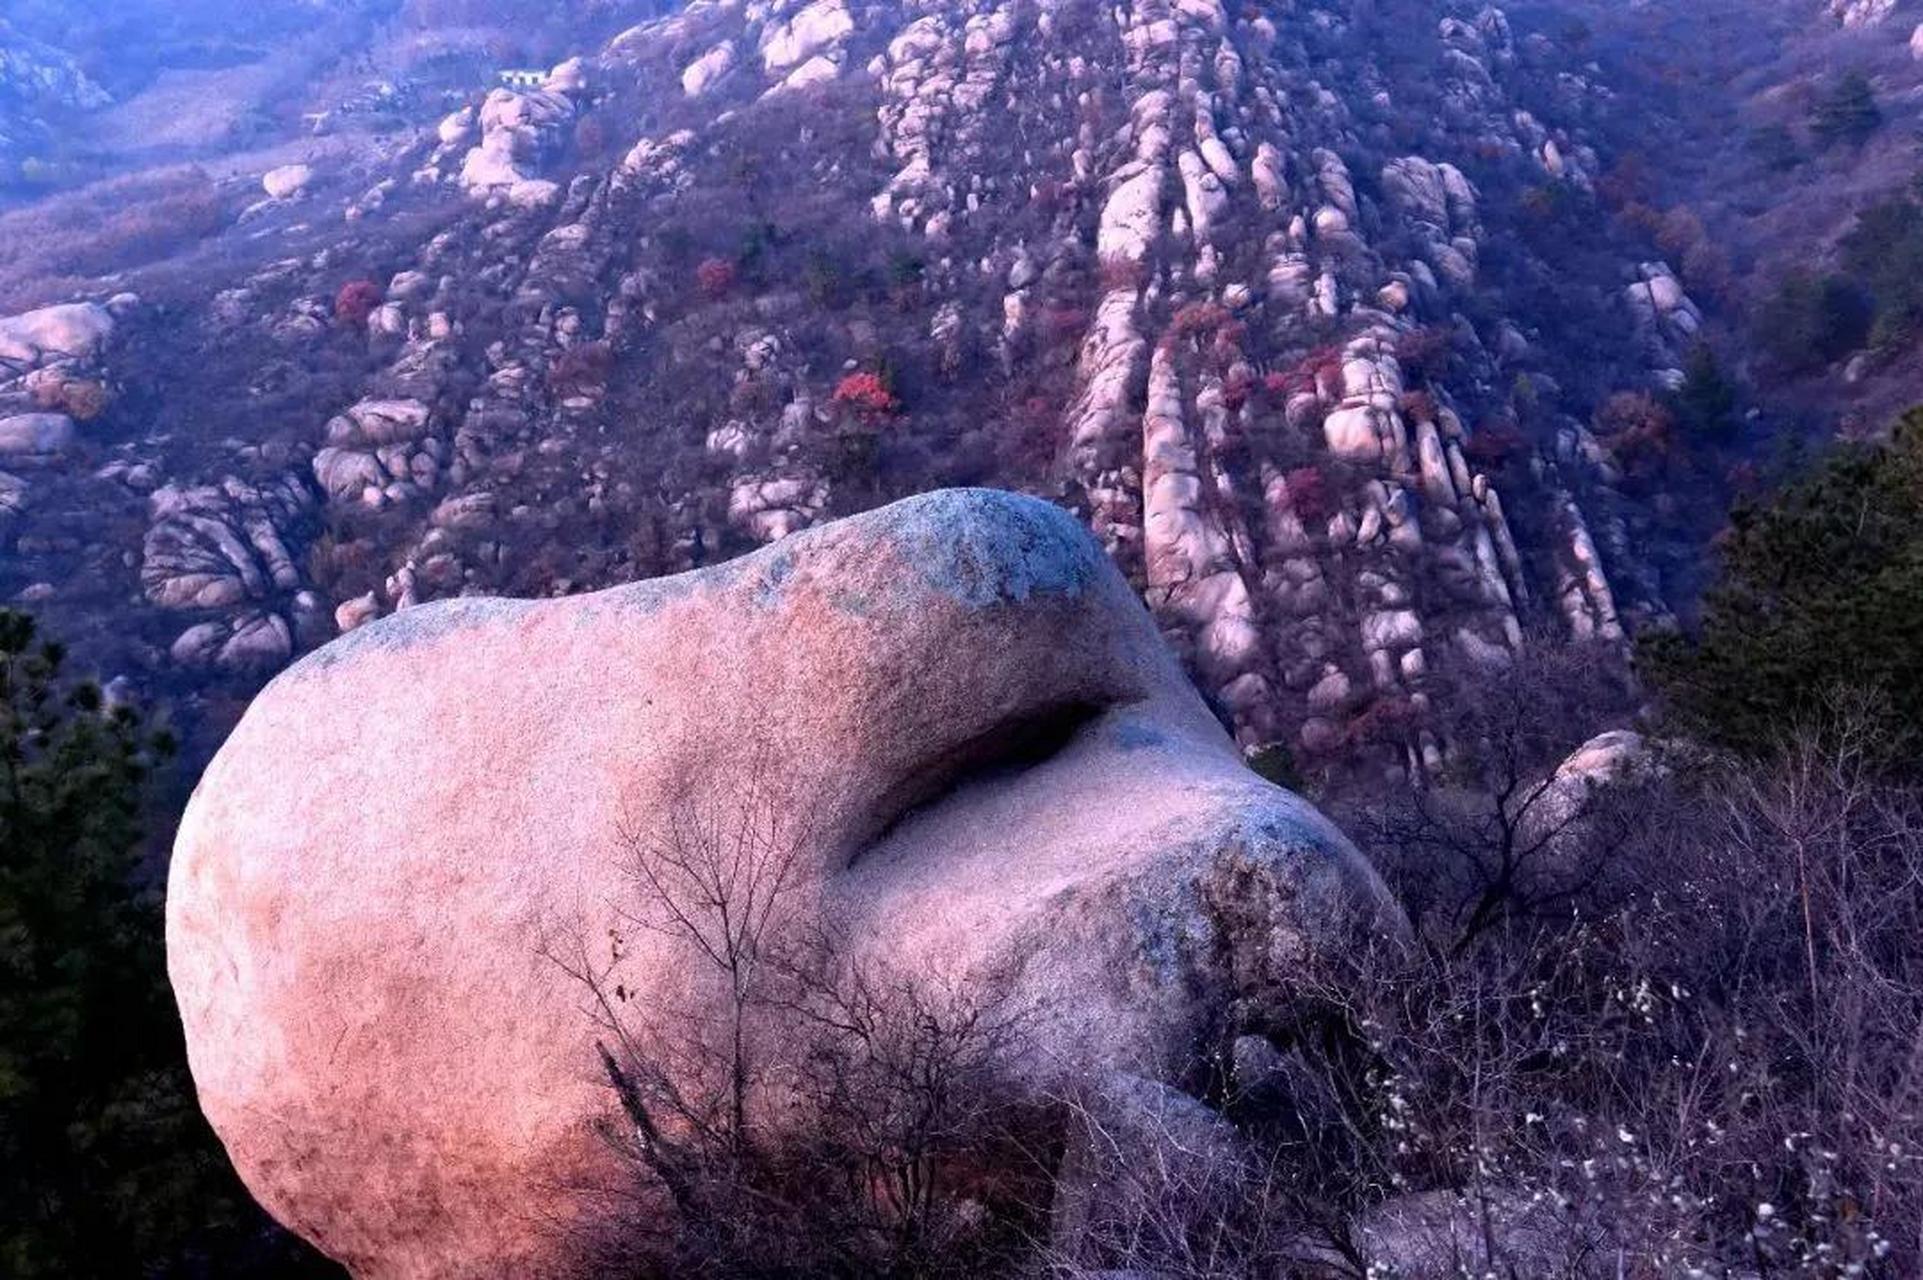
[106,1167]
[1811,320]
[1884,253]
[1818,591]
[1706,403]
[1847,113]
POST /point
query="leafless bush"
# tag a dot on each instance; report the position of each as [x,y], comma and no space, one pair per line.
[1716,1071]
[1704,1057]
[799,1110]
[1153,1182]
[1501,835]
[53,247]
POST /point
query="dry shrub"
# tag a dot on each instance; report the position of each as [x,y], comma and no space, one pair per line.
[1492,445]
[1119,272]
[1195,320]
[808,1113]
[1311,496]
[1061,322]
[356,301]
[1639,428]
[715,276]
[582,370]
[49,249]
[1685,1046]
[1425,353]
[82,399]
[1682,1010]
[1665,1027]
[1418,406]
[1390,720]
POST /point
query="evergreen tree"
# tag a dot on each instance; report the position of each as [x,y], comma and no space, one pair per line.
[1884,252]
[1818,592]
[1811,321]
[106,1167]
[1848,112]
[1706,402]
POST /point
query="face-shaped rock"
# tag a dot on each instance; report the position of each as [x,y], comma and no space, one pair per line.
[993,757]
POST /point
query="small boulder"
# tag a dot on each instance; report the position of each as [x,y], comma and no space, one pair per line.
[36,433]
[287,181]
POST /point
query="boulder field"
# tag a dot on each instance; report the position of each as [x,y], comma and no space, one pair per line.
[963,718]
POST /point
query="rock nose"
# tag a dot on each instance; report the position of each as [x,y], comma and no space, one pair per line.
[1134,883]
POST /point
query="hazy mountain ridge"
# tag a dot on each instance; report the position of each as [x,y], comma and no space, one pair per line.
[37,80]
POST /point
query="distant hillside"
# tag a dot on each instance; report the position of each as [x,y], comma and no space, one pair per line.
[40,85]
[1317,317]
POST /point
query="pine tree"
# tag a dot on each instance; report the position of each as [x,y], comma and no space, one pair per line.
[106,1167]
[1847,113]
[1706,402]
[1817,593]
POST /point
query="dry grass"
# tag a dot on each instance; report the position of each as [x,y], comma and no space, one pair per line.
[59,246]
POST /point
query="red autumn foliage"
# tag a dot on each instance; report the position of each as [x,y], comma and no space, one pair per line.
[582,370]
[1320,368]
[715,276]
[1424,353]
[356,301]
[1198,318]
[1118,272]
[1386,720]
[1639,428]
[1280,386]
[866,395]
[1235,393]
[1060,322]
[1493,445]
[1634,414]
[1418,406]
[1309,495]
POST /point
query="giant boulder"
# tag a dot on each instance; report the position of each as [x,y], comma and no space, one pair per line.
[990,757]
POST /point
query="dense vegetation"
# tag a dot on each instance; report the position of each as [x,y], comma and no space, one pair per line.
[1883,254]
[106,1167]
[1818,593]
[1874,298]
[1847,113]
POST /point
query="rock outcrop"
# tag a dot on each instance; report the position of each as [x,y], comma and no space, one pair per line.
[957,712]
[225,555]
[71,331]
[1856,14]
[286,181]
[39,85]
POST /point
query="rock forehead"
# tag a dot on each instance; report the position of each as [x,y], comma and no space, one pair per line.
[967,547]
[370,871]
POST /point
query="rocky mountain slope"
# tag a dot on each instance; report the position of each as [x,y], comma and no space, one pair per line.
[37,81]
[1301,306]
[1742,156]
